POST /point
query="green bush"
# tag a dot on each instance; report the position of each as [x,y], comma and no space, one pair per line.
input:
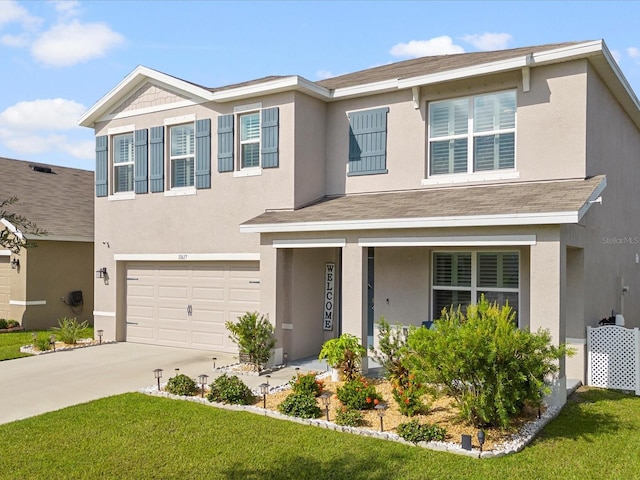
[11,323]
[231,390]
[344,353]
[69,331]
[307,383]
[43,342]
[254,335]
[348,417]
[358,394]
[300,405]
[181,385]
[492,368]
[409,396]
[415,432]
[392,349]
[3,324]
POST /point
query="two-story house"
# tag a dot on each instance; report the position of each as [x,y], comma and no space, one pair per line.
[394,191]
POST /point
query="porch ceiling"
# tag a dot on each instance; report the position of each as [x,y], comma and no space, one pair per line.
[514,203]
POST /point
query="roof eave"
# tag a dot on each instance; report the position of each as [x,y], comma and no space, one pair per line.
[290,83]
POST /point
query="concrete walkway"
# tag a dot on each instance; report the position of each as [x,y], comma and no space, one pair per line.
[34,385]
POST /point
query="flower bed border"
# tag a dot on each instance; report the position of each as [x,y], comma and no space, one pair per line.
[13,329]
[31,351]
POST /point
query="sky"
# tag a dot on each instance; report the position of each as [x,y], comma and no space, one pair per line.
[59,58]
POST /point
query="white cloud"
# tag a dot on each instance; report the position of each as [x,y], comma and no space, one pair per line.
[419,48]
[68,44]
[633,52]
[12,12]
[49,114]
[616,56]
[67,8]
[15,40]
[489,41]
[45,126]
[322,74]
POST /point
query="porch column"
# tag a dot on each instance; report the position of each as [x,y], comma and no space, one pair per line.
[273,294]
[354,293]
[548,290]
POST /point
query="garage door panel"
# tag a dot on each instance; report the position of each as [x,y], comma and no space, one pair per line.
[218,292]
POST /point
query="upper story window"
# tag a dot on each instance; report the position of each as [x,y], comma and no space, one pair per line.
[182,155]
[250,140]
[472,134]
[368,142]
[123,161]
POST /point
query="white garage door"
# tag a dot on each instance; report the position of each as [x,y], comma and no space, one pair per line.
[5,270]
[187,304]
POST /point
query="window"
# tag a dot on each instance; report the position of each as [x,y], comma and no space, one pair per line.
[460,278]
[123,158]
[368,142]
[472,134]
[250,140]
[182,155]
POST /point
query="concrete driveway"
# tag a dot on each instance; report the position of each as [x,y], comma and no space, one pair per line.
[34,385]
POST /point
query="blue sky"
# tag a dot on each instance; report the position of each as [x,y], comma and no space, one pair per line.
[58,58]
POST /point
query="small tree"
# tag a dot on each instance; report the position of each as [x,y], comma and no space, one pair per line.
[12,238]
[344,353]
[254,336]
[491,367]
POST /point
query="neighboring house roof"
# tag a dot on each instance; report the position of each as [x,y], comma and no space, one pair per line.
[407,74]
[551,202]
[58,199]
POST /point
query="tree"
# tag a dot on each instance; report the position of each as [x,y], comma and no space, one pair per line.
[13,236]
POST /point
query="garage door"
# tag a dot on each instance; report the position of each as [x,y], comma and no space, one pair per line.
[5,270]
[186,305]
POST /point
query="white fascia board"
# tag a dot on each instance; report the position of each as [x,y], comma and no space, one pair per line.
[596,193]
[186,257]
[12,228]
[458,241]
[311,243]
[563,54]
[620,76]
[475,70]
[293,82]
[547,218]
[367,88]
[139,75]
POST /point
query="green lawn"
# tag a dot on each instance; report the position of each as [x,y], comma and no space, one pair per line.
[10,343]
[597,436]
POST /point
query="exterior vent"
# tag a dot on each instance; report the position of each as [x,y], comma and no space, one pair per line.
[40,168]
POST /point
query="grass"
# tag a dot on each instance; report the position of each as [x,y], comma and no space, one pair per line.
[136,436]
[10,343]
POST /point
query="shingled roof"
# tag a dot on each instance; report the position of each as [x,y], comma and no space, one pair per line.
[445,204]
[58,199]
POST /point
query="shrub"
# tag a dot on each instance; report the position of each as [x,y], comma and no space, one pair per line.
[358,394]
[415,432]
[408,395]
[300,405]
[181,385]
[344,353]
[254,336]
[492,368]
[70,331]
[230,390]
[307,383]
[392,349]
[11,323]
[43,342]
[348,417]
[3,324]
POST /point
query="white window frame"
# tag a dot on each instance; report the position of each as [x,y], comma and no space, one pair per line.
[474,288]
[470,175]
[112,133]
[173,158]
[256,140]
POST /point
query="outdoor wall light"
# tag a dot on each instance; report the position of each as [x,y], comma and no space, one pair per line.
[214,362]
[15,264]
[203,381]
[52,342]
[157,373]
[100,333]
[325,398]
[264,390]
[481,438]
[102,273]
[381,409]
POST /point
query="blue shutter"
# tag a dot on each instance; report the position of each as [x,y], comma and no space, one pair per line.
[157,159]
[203,153]
[269,138]
[141,161]
[225,143]
[102,166]
[368,142]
